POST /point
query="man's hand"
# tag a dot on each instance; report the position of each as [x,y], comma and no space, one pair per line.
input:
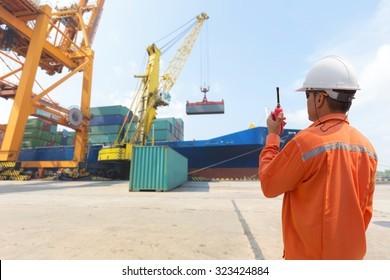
[274,125]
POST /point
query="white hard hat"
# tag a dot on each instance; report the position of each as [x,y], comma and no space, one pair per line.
[331,73]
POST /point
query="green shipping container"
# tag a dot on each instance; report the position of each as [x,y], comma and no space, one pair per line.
[34,123]
[32,133]
[53,128]
[46,135]
[169,124]
[105,129]
[164,123]
[109,110]
[57,138]
[157,168]
[161,135]
[179,123]
[102,138]
[32,143]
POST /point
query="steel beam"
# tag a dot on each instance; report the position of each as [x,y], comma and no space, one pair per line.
[23,106]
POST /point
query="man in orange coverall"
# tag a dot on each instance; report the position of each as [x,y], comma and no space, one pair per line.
[326,172]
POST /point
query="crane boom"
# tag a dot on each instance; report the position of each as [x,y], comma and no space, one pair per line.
[147,109]
[152,93]
[177,63]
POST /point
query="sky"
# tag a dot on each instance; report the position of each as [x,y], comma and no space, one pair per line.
[254,46]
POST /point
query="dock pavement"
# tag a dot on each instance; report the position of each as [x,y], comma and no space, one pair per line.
[225,220]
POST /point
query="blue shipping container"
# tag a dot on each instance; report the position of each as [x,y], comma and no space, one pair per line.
[107,120]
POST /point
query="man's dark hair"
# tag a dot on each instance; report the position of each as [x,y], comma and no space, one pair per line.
[343,102]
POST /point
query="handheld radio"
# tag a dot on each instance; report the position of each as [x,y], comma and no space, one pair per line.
[277,111]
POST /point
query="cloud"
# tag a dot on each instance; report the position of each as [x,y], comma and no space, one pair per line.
[118,70]
[370,109]
[374,79]
[6,107]
[366,44]
[297,119]
[134,68]
[114,97]
[176,109]
[177,106]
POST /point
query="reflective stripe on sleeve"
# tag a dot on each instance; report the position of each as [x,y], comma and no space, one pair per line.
[337,146]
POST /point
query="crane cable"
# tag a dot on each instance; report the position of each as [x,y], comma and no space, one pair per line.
[16,57]
[137,90]
[171,42]
[163,49]
[205,58]
[166,36]
[282,140]
[175,39]
[226,160]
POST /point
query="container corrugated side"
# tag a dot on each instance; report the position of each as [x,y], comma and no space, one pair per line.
[163,123]
[32,132]
[102,138]
[161,135]
[34,123]
[105,129]
[109,110]
[33,142]
[107,120]
[158,168]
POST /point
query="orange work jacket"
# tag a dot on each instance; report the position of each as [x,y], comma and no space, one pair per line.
[327,175]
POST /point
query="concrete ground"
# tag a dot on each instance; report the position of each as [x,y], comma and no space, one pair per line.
[199,220]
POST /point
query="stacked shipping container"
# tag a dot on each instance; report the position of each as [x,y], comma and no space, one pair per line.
[40,133]
[168,129]
[67,137]
[106,123]
[108,120]
[104,128]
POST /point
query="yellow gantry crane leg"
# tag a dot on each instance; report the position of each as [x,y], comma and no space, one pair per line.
[81,141]
[48,40]
[23,106]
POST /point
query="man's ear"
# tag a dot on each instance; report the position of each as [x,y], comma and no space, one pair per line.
[320,100]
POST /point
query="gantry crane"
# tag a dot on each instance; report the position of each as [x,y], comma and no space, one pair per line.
[152,93]
[51,40]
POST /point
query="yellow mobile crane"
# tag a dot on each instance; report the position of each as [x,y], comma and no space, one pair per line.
[152,93]
[33,37]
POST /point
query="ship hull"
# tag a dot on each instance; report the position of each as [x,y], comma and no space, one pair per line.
[233,156]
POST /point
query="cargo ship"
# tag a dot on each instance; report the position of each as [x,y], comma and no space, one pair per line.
[233,156]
